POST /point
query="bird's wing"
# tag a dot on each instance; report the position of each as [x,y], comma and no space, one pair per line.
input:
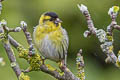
[65,43]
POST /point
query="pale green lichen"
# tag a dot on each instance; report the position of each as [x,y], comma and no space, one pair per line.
[80,67]
[13,64]
[3,37]
[61,73]
[118,59]
[23,53]
[118,52]
[110,49]
[81,73]
[50,67]
[54,69]
[101,34]
[24,77]
[60,64]
[109,37]
[117,63]
[35,62]
[115,9]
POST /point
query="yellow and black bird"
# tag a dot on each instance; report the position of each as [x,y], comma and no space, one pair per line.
[51,38]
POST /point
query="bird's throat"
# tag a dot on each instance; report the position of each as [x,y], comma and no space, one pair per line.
[50,26]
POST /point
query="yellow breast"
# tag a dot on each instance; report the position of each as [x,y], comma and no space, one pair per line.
[54,33]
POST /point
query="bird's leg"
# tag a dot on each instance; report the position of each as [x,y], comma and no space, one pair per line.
[62,64]
[43,59]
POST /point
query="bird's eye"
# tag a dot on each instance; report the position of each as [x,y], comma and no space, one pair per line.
[52,19]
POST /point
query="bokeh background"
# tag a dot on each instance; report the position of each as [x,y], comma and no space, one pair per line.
[74,22]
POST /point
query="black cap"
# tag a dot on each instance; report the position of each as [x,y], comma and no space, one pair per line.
[51,14]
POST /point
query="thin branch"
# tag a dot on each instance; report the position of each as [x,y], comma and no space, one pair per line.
[68,75]
[43,68]
[80,65]
[90,23]
[12,58]
[106,38]
[53,73]
[13,42]
[35,61]
[10,54]
[28,37]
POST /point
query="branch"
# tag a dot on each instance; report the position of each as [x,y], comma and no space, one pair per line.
[32,57]
[43,68]
[28,37]
[92,29]
[12,58]
[38,65]
[106,38]
[10,52]
[80,65]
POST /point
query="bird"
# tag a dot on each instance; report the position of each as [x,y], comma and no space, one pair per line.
[51,39]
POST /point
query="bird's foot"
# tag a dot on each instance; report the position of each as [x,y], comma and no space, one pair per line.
[62,65]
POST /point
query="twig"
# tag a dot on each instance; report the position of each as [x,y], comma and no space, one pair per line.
[28,37]
[13,42]
[34,59]
[92,29]
[10,53]
[68,75]
[12,58]
[106,38]
[80,65]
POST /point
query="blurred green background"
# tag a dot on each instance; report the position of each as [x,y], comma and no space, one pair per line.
[74,22]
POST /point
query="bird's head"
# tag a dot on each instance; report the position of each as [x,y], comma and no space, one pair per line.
[50,17]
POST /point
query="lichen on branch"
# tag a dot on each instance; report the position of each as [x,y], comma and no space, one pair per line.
[35,61]
[104,37]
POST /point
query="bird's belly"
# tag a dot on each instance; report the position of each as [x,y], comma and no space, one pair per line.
[48,49]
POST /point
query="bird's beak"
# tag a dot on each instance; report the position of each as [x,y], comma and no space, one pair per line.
[58,21]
